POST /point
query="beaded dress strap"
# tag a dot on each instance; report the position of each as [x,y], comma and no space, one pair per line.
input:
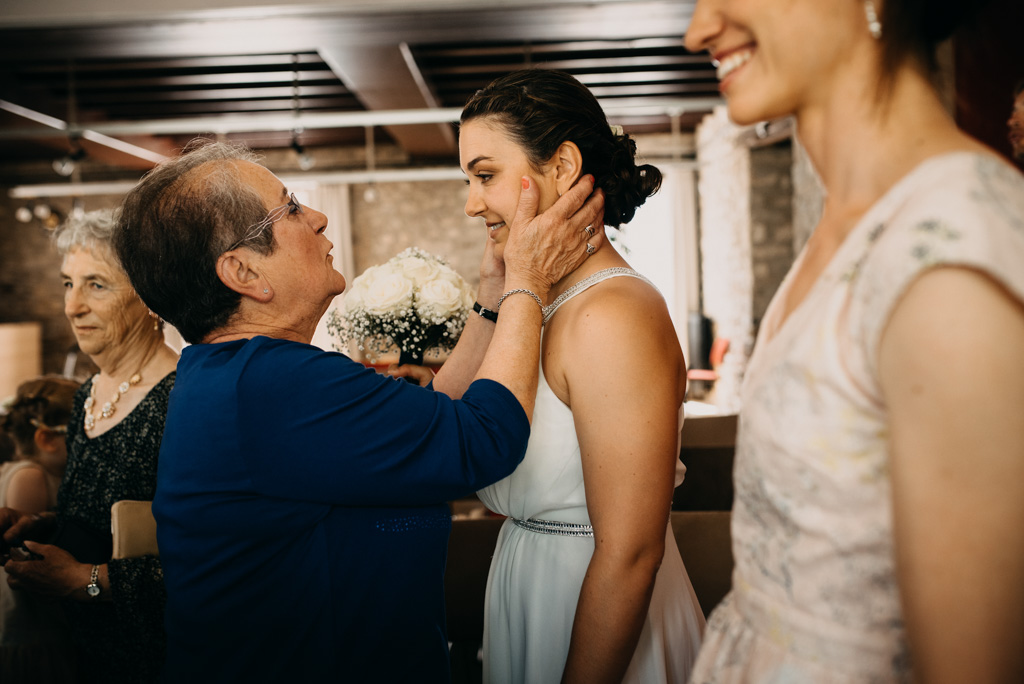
[590,281]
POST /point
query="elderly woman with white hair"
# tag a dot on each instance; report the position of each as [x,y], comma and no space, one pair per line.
[115,607]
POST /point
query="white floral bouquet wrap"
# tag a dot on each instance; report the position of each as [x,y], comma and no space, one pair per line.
[414,301]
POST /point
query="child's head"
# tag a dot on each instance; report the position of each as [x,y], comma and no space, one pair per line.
[38,416]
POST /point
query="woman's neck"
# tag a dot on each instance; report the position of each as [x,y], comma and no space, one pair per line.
[133,355]
[605,257]
[862,145]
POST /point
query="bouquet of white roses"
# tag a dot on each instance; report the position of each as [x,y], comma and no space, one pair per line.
[414,301]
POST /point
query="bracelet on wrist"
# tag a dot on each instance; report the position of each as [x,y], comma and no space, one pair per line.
[484,312]
[520,290]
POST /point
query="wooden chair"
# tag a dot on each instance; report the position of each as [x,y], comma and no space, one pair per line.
[707,448]
[705,543]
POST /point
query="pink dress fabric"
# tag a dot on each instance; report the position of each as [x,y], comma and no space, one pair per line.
[815,594]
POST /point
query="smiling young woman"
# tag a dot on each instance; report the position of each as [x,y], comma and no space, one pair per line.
[586,584]
[876,525]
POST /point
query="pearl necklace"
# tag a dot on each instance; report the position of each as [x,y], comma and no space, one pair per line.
[109,407]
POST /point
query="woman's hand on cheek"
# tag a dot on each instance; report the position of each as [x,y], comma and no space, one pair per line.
[544,248]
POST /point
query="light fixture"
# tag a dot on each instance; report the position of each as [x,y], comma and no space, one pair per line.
[66,165]
[23,214]
[306,160]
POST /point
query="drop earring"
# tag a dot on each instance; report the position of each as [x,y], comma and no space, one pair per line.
[874,25]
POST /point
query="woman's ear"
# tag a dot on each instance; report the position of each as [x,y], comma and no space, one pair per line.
[568,166]
[242,275]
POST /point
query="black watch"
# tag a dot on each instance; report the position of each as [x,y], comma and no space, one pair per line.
[492,316]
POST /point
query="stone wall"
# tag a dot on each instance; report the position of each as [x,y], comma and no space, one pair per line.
[727,278]
[389,217]
[771,221]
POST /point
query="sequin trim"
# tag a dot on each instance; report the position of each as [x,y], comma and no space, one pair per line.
[408,523]
[590,281]
[554,527]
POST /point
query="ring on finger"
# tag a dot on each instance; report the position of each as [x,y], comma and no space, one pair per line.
[590,231]
[590,248]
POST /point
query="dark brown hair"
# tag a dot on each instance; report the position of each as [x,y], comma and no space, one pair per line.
[541,109]
[40,403]
[913,29]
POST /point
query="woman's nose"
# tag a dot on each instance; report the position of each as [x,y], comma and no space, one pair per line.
[74,303]
[705,24]
[474,205]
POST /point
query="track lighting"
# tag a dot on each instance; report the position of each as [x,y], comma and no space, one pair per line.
[66,165]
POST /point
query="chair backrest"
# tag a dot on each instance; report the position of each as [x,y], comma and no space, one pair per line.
[705,543]
[708,445]
[134,529]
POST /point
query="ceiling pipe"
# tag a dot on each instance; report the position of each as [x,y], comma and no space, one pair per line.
[293,181]
[58,128]
[223,125]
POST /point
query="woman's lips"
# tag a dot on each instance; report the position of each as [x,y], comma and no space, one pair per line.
[727,63]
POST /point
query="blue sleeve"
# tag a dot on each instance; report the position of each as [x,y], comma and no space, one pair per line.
[318,426]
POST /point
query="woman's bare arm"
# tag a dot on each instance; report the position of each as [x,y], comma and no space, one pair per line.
[625,377]
[952,372]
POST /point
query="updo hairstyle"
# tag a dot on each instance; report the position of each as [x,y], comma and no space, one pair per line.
[45,403]
[541,109]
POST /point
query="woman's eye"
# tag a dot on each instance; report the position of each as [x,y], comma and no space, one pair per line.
[484,177]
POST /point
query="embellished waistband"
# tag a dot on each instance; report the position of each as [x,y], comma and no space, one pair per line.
[554,527]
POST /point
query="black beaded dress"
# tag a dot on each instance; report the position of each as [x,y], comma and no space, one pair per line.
[121,640]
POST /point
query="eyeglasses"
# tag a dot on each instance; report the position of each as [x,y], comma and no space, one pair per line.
[292,207]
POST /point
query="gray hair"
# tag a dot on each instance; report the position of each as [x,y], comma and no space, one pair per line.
[89,230]
[174,225]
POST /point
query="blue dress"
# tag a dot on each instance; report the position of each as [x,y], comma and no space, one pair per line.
[301,515]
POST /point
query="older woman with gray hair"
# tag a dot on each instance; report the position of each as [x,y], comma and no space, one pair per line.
[115,607]
[301,497]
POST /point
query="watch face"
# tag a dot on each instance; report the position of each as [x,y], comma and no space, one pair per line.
[93,590]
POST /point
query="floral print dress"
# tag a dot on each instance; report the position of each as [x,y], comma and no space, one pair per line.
[815,594]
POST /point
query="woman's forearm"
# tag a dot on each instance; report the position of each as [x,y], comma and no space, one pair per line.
[512,357]
[613,603]
[462,365]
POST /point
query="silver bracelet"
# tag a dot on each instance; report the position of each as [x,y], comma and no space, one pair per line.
[520,290]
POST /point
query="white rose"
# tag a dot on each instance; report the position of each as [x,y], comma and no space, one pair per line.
[388,291]
[416,269]
[440,297]
[355,293]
